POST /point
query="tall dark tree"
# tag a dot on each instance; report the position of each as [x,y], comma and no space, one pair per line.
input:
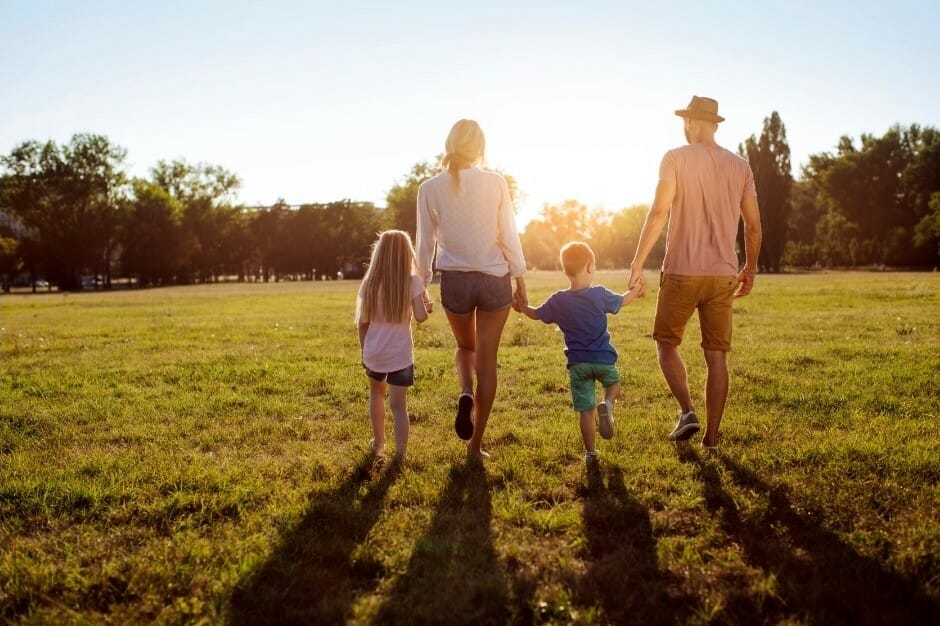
[615,243]
[920,185]
[152,240]
[74,198]
[555,226]
[401,202]
[205,193]
[769,157]
[268,228]
[873,197]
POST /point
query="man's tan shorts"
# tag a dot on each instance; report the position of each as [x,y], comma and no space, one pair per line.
[680,296]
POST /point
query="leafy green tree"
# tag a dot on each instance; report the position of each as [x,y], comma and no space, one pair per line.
[928,229]
[769,157]
[10,260]
[556,225]
[616,237]
[920,184]
[401,202]
[74,197]
[837,240]
[153,244]
[883,187]
[267,229]
[205,193]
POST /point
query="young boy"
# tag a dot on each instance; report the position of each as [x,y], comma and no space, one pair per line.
[581,313]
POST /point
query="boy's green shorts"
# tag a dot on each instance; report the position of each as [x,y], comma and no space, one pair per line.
[583,377]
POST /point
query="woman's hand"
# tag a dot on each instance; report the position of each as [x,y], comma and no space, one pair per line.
[520,295]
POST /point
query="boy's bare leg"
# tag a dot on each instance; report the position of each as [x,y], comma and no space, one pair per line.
[612,393]
[587,430]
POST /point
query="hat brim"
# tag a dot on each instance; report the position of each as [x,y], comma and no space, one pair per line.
[699,115]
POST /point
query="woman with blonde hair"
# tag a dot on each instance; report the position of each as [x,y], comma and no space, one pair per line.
[389,295]
[465,216]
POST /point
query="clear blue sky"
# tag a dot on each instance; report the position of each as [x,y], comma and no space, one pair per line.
[318,101]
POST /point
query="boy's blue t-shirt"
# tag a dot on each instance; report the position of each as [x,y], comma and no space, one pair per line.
[582,317]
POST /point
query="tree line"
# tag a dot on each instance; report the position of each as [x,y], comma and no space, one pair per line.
[70,212]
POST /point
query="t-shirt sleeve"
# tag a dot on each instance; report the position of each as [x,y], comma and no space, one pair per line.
[667,167]
[548,310]
[749,187]
[612,301]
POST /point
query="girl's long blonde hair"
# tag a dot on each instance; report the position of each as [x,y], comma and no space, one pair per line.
[386,287]
[464,147]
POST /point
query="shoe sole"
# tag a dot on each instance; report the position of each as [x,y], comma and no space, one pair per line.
[685,433]
[462,423]
[605,424]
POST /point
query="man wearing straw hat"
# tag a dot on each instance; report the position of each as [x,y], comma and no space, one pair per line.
[703,192]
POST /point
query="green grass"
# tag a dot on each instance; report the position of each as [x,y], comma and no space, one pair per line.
[199,455]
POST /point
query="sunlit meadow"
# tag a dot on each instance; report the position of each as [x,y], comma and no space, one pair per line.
[200,455]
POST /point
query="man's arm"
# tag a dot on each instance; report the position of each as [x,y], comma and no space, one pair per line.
[752,242]
[652,227]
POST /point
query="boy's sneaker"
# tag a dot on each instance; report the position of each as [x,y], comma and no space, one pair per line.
[605,419]
[591,458]
[686,427]
[462,423]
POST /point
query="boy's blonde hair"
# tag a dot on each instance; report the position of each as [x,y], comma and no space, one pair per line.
[575,256]
[464,147]
[386,287]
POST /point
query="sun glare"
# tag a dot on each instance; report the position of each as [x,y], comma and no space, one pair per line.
[600,161]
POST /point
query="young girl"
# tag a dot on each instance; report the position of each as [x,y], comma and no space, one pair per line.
[390,292]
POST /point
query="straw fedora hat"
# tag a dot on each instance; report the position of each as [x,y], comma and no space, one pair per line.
[701,109]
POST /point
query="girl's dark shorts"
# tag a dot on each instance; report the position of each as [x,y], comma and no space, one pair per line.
[462,293]
[399,378]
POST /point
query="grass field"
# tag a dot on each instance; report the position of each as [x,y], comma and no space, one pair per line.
[199,455]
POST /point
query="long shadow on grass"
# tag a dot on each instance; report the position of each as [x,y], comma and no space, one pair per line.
[310,578]
[453,576]
[820,579]
[623,576]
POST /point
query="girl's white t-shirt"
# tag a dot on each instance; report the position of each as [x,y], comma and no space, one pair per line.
[389,346]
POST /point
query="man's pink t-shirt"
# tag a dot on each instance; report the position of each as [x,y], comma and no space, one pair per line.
[703,221]
[389,346]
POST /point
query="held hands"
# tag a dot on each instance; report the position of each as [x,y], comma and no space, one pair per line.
[520,299]
[428,303]
[520,303]
[637,282]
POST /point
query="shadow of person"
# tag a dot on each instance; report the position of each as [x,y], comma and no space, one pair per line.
[453,576]
[623,575]
[819,578]
[311,577]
